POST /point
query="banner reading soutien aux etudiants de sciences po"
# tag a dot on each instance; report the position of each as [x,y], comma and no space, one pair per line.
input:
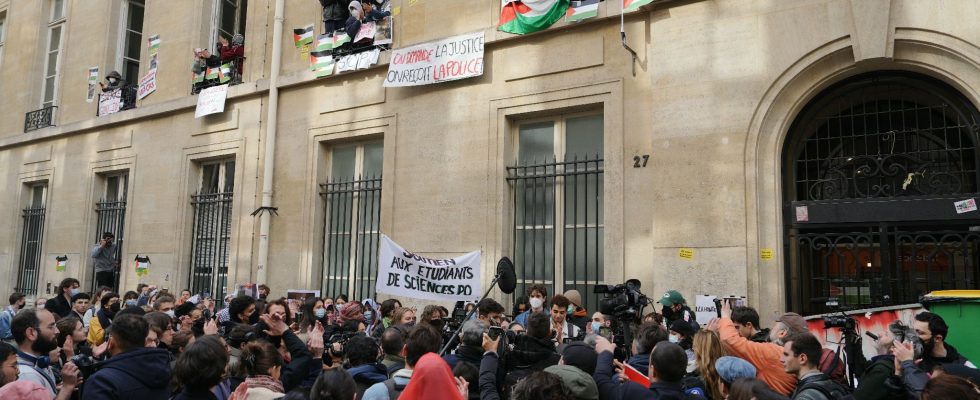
[404,274]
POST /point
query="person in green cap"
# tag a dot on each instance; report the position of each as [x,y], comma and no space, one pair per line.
[675,308]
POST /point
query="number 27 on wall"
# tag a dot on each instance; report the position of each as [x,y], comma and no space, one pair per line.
[641,161]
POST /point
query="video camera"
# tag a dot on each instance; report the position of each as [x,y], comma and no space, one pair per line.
[86,365]
[339,338]
[843,321]
[623,301]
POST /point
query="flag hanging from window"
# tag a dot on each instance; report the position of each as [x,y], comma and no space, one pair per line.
[322,63]
[580,10]
[630,5]
[340,38]
[142,265]
[528,16]
[323,43]
[303,36]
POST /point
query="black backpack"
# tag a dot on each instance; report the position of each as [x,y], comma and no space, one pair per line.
[830,388]
[394,389]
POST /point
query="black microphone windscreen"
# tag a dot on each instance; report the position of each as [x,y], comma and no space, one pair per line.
[507,278]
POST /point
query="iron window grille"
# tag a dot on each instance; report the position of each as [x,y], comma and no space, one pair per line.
[558,229]
[876,163]
[211,233]
[351,235]
[32,239]
[125,94]
[110,216]
[38,119]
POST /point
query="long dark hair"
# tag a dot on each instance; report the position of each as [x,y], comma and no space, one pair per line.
[309,317]
[333,384]
[258,357]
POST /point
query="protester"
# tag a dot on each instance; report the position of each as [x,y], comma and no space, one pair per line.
[578,383]
[708,350]
[386,309]
[675,308]
[36,335]
[104,254]
[292,372]
[422,339]
[200,368]
[133,371]
[392,342]
[541,386]
[682,334]
[353,23]
[599,325]
[521,305]
[746,320]
[563,329]
[647,336]
[749,388]
[312,311]
[334,14]
[730,370]
[60,305]
[71,338]
[372,13]
[578,355]
[8,364]
[533,351]
[362,356]
[577,314]
[103,319]
[933,332]
[115,81]
[537,294]
[372,315]
[263,366]
[432,379]
[333,384]
[235,53]
[766,357]
[166,304]
[950,387]
[875,380]
[403,316]
[667,363]
[801,357]
[470,350]
[16,302]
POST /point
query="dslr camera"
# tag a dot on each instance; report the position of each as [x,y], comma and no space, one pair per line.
[623,301]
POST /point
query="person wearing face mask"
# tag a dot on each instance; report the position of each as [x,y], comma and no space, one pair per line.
[130,299]
[97,329]
[577,314]
[675,308]
[562,328]
[17,302]
[372,315]
[61,305]
[599,325]
[115,81]
[536,293]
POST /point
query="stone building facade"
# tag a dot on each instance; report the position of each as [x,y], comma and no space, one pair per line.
[582,164]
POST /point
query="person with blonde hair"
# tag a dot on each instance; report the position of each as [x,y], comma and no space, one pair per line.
[707,350]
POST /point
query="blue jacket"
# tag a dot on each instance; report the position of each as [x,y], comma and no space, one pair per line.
[522,317]
[366,375]
[640,361]
[142,373]
[611,389]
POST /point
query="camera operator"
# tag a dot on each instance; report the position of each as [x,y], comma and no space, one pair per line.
[563,328]
[877,382]
[490,312]
[765,357]
[470,350]
[36,336]
[362,359]
[533,351]
[133,371]
[104,258]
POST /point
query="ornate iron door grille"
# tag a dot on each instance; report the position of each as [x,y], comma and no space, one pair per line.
[872,169]
[209,249]
[110,217]
[350,257]
[570,192]
[30,250]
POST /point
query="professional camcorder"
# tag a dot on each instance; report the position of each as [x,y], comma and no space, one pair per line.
[623,301]
[86,365]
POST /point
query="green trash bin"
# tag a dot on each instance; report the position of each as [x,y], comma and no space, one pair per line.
[961,310]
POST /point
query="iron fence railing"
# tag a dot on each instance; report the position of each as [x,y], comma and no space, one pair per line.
[558,222]
[351,236]
[229,72]
[38,119]
[110,216]
[210,243]
[30,250]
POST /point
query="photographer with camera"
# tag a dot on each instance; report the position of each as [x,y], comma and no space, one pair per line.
[470,350]
[104,258]
[878,381]
[362,360]
[533,351]
[132,371]
[490,312]
[277,332]
[36,334]
[765,357]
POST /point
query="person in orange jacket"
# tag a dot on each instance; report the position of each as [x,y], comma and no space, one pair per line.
[765,357]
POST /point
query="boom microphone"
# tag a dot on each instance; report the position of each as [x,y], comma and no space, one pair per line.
[506,278]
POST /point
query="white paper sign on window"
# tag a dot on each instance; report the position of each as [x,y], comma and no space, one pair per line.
[211,101]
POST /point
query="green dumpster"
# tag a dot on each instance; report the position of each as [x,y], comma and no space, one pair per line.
[961,310]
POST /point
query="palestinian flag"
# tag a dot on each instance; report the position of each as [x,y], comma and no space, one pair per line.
[340,38]
[630,5]
[527,16]
[224,73]
[197,77]
[322,63]
[211,74]
[581,10]
[303,36]
[323,43]
[154,43]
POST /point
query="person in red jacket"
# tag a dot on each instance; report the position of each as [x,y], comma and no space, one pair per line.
[235,52]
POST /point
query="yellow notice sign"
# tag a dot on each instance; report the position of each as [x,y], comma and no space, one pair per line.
[766,253]
[686,253]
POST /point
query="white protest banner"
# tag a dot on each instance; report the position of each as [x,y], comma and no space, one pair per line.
[110,102]
[449,59]
[705,309]
[93,82]
[211,101]
[404,274]
[148,84]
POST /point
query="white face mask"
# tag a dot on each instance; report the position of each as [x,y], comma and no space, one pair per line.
[74,291]
[674,339]
[170,313]
[112,80]
[536,303]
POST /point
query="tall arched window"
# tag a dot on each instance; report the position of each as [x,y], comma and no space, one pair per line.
[878,176]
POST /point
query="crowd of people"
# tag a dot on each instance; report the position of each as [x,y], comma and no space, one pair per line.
[150,344]
[225,65]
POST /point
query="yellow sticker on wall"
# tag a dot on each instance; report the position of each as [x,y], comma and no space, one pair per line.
[686,253]
[766,254]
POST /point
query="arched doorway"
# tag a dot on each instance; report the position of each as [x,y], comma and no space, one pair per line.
[872,170]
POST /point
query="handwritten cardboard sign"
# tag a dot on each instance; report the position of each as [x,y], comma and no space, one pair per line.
[211,101]
[449,59]
[148,84]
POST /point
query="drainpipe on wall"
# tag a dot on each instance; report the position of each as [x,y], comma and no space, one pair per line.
[266,210]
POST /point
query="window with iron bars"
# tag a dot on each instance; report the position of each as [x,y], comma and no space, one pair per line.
[352,223]
[110,216]
[557,187]
[32,239]
[212,229]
